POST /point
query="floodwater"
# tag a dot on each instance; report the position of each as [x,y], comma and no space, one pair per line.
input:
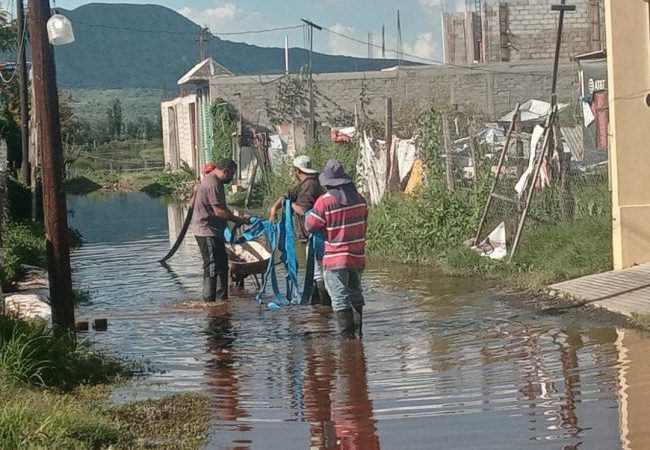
[444,364]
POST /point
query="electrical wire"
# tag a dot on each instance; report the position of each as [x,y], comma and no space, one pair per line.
[456,66]
[176,33]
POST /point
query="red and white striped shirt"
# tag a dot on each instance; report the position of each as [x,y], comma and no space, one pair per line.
[344,228]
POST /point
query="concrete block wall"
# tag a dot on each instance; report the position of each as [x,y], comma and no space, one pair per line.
[489,89]
[181,108]
[533,29]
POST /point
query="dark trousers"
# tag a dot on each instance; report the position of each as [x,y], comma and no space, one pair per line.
[215,267]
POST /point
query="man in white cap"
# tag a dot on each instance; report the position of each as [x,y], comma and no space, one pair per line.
[303,196]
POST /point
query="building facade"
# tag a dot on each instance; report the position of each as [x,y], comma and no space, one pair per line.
[521,30]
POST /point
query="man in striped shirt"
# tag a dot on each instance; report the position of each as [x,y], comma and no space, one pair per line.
[342,215]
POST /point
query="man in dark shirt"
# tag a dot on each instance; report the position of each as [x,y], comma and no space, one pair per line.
[208,224]
[303,196]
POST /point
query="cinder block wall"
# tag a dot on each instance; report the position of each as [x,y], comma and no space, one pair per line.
[490,89]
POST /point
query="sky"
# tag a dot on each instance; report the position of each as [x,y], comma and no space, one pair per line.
[420,22]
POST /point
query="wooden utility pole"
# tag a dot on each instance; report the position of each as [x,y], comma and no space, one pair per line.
[25,169]
[389,138]
[46,105]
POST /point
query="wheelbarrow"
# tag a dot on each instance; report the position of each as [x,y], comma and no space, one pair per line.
[250,258]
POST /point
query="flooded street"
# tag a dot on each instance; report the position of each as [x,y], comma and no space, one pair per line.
[444,364]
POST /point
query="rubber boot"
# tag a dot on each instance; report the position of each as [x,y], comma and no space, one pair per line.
[222,286]
[345,319]
[315,294]
[358,320]
[325,299]
[209,289]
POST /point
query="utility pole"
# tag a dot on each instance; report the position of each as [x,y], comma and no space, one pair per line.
[563,7]
[25,169]
[46,106]
[312,123]
[202,40]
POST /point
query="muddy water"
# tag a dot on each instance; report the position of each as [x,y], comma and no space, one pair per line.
[444,364]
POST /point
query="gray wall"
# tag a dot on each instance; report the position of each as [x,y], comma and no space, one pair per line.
[490,89]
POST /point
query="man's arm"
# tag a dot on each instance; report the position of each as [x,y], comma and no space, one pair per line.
[315,219]
[274,209]
[300,210]
[226,214]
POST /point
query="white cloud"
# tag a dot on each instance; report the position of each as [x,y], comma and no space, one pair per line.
[425,45]
[339,45]
[437,5]
[224,17]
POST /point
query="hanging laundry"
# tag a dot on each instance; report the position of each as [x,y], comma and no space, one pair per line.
[538,132]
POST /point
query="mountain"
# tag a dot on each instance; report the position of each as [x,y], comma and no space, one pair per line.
[150,46]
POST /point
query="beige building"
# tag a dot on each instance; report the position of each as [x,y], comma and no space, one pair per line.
[628,66]
[186,125]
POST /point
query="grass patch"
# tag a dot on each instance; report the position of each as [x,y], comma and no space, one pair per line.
[640,320]
[32,354]
[81,185]
[24,245]
[429,230]
[54,394]
[84,419]
[176,422]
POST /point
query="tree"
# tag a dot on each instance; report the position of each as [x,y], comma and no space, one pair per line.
[9,98]
[7,32]
[114,116]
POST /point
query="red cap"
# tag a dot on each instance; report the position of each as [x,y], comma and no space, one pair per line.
[209,167]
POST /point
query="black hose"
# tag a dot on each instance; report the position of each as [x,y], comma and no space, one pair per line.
[181,235]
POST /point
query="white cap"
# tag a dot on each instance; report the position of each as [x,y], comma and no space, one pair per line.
[303,164]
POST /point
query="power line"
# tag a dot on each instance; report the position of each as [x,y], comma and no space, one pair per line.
[176,33]
[422,58]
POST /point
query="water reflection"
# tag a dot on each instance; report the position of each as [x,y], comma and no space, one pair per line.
[444,362]
[634,389]
[352,411]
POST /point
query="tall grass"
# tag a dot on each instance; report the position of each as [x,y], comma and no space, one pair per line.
[24,245]
[32,354]
[430,229]
[42,419]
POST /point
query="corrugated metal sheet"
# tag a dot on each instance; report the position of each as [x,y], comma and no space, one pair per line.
[572,138]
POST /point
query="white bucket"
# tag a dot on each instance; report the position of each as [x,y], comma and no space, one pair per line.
[59,30]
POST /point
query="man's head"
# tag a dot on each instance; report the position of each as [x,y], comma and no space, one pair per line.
[302,167]
[225,170]
[333,175]
[208,167]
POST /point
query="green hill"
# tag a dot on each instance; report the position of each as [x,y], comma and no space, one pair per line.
[150,46]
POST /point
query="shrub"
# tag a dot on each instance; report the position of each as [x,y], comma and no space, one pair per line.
[31,353]
[24,244]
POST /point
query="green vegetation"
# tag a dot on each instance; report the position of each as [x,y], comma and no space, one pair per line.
[177,184]
[32,354]
[223,126]
[92,104]
[641,321]
[24,245]
[54,394]
[430,229]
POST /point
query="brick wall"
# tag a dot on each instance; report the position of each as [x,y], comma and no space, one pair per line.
[491,89]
